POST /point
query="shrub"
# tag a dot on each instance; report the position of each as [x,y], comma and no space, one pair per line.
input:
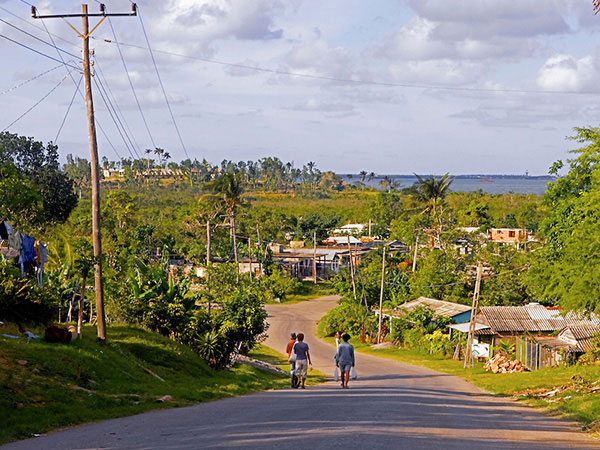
[21,300]
[349,317]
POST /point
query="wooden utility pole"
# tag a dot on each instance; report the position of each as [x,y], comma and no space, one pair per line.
[315,256]
[474,307]
[250,256]
[414,265]
[95,167]
[381,297]
[351,268]
[369,227]
[208,243]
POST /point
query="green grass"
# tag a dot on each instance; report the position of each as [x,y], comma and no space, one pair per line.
[581,406]
[310,291]
[62,385]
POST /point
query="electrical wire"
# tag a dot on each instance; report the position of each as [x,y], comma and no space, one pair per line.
[38,27]
[53,45]
[68,109]
[38,52]
[359,82]
[131,84]
[35,104]
[112,117]
[30,80]
[161,84]
[114,102]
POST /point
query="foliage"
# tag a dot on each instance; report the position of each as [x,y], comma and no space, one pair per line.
[33,173]
[21,300]
[567,269]
[349,317]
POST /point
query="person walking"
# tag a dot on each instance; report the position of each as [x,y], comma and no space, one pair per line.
[344,359]
[337,340]
[288,349]
[302,359]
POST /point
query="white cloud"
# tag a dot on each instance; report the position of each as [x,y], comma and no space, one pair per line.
[566,73]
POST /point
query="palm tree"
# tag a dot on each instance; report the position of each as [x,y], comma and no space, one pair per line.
[371,176]
[432,191]
[228,190]
[363,175]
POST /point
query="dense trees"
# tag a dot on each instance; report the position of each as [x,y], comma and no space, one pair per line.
[35,190]
[567,269]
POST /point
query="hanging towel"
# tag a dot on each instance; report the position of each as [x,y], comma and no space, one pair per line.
[14,241]
[43,249]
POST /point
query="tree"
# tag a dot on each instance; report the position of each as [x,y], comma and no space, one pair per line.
[29,163]
[228,190]
[567,268]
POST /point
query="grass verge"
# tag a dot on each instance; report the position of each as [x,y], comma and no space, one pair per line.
[45,386]
[308,291]
[573,401]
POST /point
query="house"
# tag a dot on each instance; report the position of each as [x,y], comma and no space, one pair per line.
[251,265]
[349,229]
[457,312]
[533,329]
[299,261]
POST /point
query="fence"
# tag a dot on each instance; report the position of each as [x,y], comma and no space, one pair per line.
[534,355]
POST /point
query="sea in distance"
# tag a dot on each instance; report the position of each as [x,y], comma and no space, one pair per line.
[491,184]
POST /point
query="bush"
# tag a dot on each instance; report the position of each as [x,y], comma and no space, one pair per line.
[22,301]
[349,317]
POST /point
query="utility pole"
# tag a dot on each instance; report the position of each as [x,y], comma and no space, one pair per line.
[474,307]
[96,234]
[250,256]
[208,243]
[315,256]
[369,227]
[351,268]
[381,297]
[414,265]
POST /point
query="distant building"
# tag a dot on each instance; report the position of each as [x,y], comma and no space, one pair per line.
[351,228]
[458,312]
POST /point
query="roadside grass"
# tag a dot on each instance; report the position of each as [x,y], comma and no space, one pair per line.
[310,291]
[45,386]
[574,402]
[277,359]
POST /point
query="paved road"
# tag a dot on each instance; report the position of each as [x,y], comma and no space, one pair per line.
[391,406]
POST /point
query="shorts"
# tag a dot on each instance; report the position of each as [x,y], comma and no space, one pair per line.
[345,366]
[301,368]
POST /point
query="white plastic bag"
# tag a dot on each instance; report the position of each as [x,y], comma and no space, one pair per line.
[336,374]
[353,374]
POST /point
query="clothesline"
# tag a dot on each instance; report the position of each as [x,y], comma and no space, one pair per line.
[32,253]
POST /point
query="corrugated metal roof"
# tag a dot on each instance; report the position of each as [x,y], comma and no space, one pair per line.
[586,336]
[440,307]
[533,317]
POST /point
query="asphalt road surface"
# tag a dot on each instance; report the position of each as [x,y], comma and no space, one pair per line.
[391,406]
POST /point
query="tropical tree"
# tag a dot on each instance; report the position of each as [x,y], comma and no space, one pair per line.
[228,190]
[567,268]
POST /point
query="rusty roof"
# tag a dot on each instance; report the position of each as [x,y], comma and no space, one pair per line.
[586,336]
[440,307]
[532,317]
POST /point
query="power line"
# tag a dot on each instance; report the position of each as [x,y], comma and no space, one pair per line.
[35,26]
[35,104]
[39,53]
[30,80]
[116,104]
[39,39]
[111,115]
[68,109]
[131,84]
[359,82]
[161,84]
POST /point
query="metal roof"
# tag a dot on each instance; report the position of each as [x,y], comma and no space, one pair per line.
[532,317]
[584,336]
[440,307]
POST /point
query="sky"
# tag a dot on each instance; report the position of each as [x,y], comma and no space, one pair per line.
[389,86]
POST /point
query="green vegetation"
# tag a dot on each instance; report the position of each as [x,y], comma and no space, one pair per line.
[46,386]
